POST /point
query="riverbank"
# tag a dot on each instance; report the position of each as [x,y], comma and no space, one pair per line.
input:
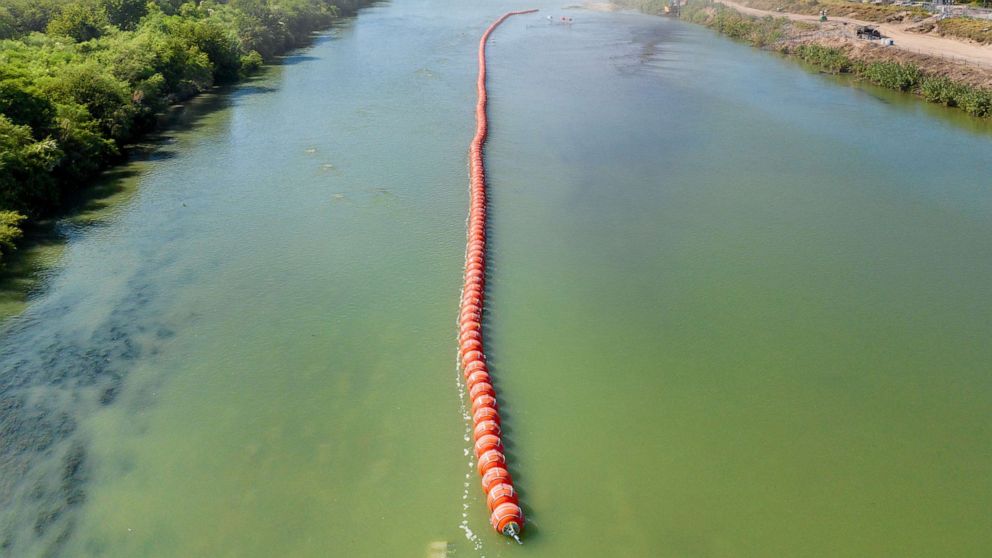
[905,28]
[80,82]
[893,17]
[833,47]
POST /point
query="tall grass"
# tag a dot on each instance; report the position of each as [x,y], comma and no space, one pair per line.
[891,75]
[825,58]
[759,32]
[907,77]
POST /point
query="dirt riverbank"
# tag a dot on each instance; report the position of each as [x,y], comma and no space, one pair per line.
[954,51]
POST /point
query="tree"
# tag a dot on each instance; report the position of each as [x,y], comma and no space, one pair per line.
[22,104]
[10,230]
[211,38]
[25,166]
[125,13]
[80,20]
[8,24]
[105,97]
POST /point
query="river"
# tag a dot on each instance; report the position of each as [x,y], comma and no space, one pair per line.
[735,308]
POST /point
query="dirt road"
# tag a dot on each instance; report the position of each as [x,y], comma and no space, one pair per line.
[914,42]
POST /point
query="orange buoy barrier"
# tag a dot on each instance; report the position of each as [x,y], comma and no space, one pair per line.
[507,517]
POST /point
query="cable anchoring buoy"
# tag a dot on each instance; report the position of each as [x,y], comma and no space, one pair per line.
[501,498]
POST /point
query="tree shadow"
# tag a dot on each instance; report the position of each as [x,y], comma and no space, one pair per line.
[22,273]
[100,195]
[293,60]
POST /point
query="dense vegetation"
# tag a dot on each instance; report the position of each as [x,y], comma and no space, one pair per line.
[81,78]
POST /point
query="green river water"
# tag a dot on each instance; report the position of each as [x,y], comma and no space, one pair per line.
[735,309]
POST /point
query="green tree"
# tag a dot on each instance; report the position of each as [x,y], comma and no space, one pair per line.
[31,15]
[25,166]
[10,230]
[105,97]
[8,24]
[125,14]
[219,44]
[22,104]
[80,20]
[85,149]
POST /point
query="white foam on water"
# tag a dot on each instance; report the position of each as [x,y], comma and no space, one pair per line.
[467,452]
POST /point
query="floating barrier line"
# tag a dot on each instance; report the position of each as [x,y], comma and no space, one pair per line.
[506,516]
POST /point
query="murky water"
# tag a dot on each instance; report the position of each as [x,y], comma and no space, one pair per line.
[736,309]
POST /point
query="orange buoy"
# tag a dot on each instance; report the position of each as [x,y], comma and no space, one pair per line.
[507,519]
[464,336]
[483,401]
[490,460]
[475,366]
[477,379]
[486,443]
[484,413]
[486,427]
[501,498]
[494,476]
[499,494]
[472,356]
[470,345]
[482,388]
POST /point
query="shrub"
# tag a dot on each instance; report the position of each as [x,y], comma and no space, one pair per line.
[825,58]
[10,230]
[976,102]
[25,166]
[892,75]
[939,89]
[251,62]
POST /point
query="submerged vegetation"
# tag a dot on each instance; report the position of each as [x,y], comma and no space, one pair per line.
[902,76]
[79,79]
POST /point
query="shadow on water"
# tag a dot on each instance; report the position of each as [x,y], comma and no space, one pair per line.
[25,270]
[297,59]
